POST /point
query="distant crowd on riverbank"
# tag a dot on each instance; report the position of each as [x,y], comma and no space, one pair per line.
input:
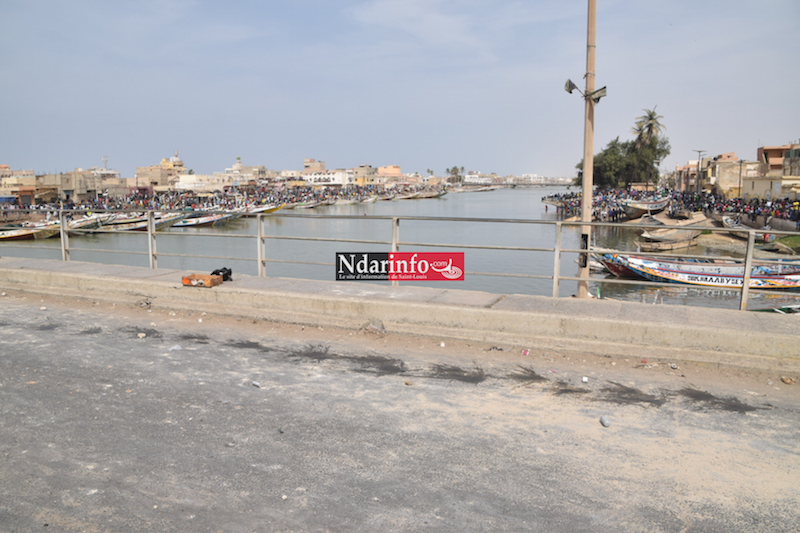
[608,204]
[253,197]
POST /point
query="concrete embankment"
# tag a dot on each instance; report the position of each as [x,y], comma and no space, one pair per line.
[602,327]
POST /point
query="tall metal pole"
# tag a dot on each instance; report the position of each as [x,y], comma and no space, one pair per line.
[588,153]
[741,195]
[699,164]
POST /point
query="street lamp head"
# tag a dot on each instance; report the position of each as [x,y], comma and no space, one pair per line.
[569,87]
[598,94]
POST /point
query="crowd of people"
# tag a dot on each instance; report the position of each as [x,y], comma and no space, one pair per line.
[228,200]
[607,204]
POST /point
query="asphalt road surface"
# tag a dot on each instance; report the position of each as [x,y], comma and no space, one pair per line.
[117,418]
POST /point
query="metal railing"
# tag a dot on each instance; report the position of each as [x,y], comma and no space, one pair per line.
[395,243]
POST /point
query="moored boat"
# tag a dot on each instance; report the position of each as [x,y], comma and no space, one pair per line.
[664,246]
[207,219]
[437,193]
[667,239]
[621,265]
[263,209]
[90,222]
[637,208]
[708,273]
[408,196]
[735,224]
[160,222]
[38,231]
[615,265]
[304,205]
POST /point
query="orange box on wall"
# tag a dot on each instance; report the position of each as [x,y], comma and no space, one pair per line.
[202,280]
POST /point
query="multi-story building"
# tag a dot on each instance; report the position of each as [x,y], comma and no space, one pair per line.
[7,172]
[365,175]
[776,175]
[724,174]
[312,165]
[791,160]
[241,175]
[686,176]
[390,172]
[338,178]
[161,176]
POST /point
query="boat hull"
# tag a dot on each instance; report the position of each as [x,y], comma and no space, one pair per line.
[636,209]
[24,234]
[709,274]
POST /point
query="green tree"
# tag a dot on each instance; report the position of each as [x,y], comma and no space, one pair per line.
[613,166]
[455,174]
[651,146]
[648,126]
[621,163]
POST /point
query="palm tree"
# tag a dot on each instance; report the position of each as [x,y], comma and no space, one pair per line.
[648,129]
[638,131]
[648,126]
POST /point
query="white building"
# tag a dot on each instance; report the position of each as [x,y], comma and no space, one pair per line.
[337,178]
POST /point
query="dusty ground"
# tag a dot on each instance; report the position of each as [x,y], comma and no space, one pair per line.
[372,338]
[117,417]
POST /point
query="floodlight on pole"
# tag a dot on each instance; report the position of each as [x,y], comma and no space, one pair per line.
[598,94]
[569,87]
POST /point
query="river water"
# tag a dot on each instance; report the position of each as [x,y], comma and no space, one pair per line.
[233,246]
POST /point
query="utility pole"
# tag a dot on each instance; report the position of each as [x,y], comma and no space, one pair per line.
[699,162]
[588,153]
[741,194]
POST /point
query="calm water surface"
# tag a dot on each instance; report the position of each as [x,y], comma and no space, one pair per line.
[237,248]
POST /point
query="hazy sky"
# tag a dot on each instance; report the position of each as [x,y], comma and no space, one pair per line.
[424,84]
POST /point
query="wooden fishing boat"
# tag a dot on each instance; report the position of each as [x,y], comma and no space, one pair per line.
[263,209]
[777,248]
[735,224]
[667,239]
[703,274]
[207,219]
[409,196]
[637,208]
[90,222]
[432,194]
[37,231]
[305,205]
[665,246]
[621,265]
[783,310]
[125,218]
[615,264]
[160,222]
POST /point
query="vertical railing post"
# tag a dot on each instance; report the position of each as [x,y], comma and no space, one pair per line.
[151,239]
[748,267]
[260,249]
[64,231]
[395,241]
[557,261]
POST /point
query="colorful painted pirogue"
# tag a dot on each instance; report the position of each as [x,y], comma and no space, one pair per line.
[710,273]
[46,230]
